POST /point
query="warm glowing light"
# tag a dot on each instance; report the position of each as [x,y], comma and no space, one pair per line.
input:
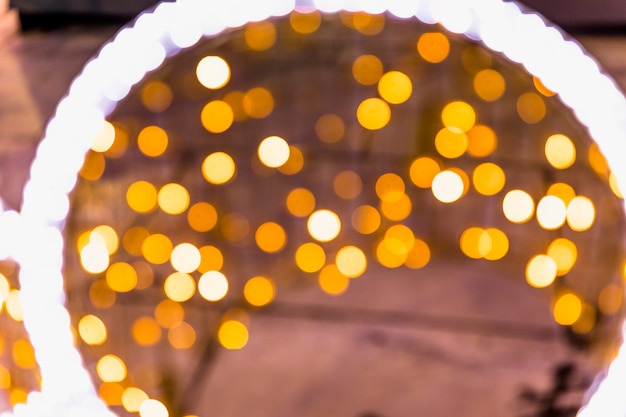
[101,295]
[211,259]
[132,398]
[111,393]
[121,277]
[202,217]
[423,170]
[294,163]
[185,258]
[391,252]
[270,237]
[105,138]
[551,212]
[581,213]
[560,151]
[489,84]
[133,240]
[332,281]
[367,69]
[218,168]
[141,196]
[233,334]
[481,141]
[235,227]
[94,257]
[310,257]
[323,225]
[217,116]
[107,235]
[564,191]
[260,36]
[611,299]
[91,330]
[258,103]
[531,108]
[305,22]
[389,187]
[300,202]
[567,309]
[273,151]
[469,242]
[23,354]
[179,287]
[152,141]
[395,87]
[259,291]
[458,115]
[181,336]
[351,261]
[111,368]
[488,178]
[173,198]
[365,219]
[613,183]
[94,166]
[213,286]
[396,206]
[347,185]
[493,244]
[518,206]
[146,331]
[213,72]
[373,113]
[418,256]
[434,47]
[541,271]
[168,313]
[153,408]
[451,142]
[448,186]
[564,253]
[330,128]
[157,248]
[542,88]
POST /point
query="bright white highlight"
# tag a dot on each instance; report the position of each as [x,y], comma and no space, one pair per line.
[66,386]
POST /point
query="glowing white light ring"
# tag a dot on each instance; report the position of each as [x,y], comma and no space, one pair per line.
[66,387]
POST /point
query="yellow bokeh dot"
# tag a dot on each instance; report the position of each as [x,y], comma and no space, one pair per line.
[168,313]
[111,368]
[332,281]
[581,213]
[24,355]
[531,108]
[218,168]
[211,258]
[397,206]
[564,253]
[5,378]
[179,286]
[365,219]
[563,191]
[560,151]
[448,186]
[489,84]
[93,167]
[310,257]
[213,286]
[153,408]
[597,160]
[235,100]
[94,257]
[181,336]
[433,47]
[458,115]
[258,103]
[270,237]
[152,141]
[367,69]
[351,261]
[121,277]
[542,88]
[233,334]
[551,212]
[567,309]
[18,396]
[111,393]
[373,113]
[300,202]
[347,185]
[132,398]
[106,234]
[451,142]
[259,291]
[294,163]
[260,36]
[404,236]
[173,198]
[481,141]
[141,196]
[493,244]
[105,138]
[185,258]
[389,187]
[146,331]
[391,253]
[217,116]
[273,151]
[145,274]
[488,178]
[157,248]
[133,240]
[614,184]
[611,299]
[330,128]
[518,206]
[202,217]
[100,295]
[469,242]
[395,87]
[324,225]
[367,23]
[157,96]
[423,171]
[419,255]
[213,72]
[541,271]
[305,22]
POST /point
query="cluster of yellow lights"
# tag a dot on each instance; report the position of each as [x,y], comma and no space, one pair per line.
[199,269]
